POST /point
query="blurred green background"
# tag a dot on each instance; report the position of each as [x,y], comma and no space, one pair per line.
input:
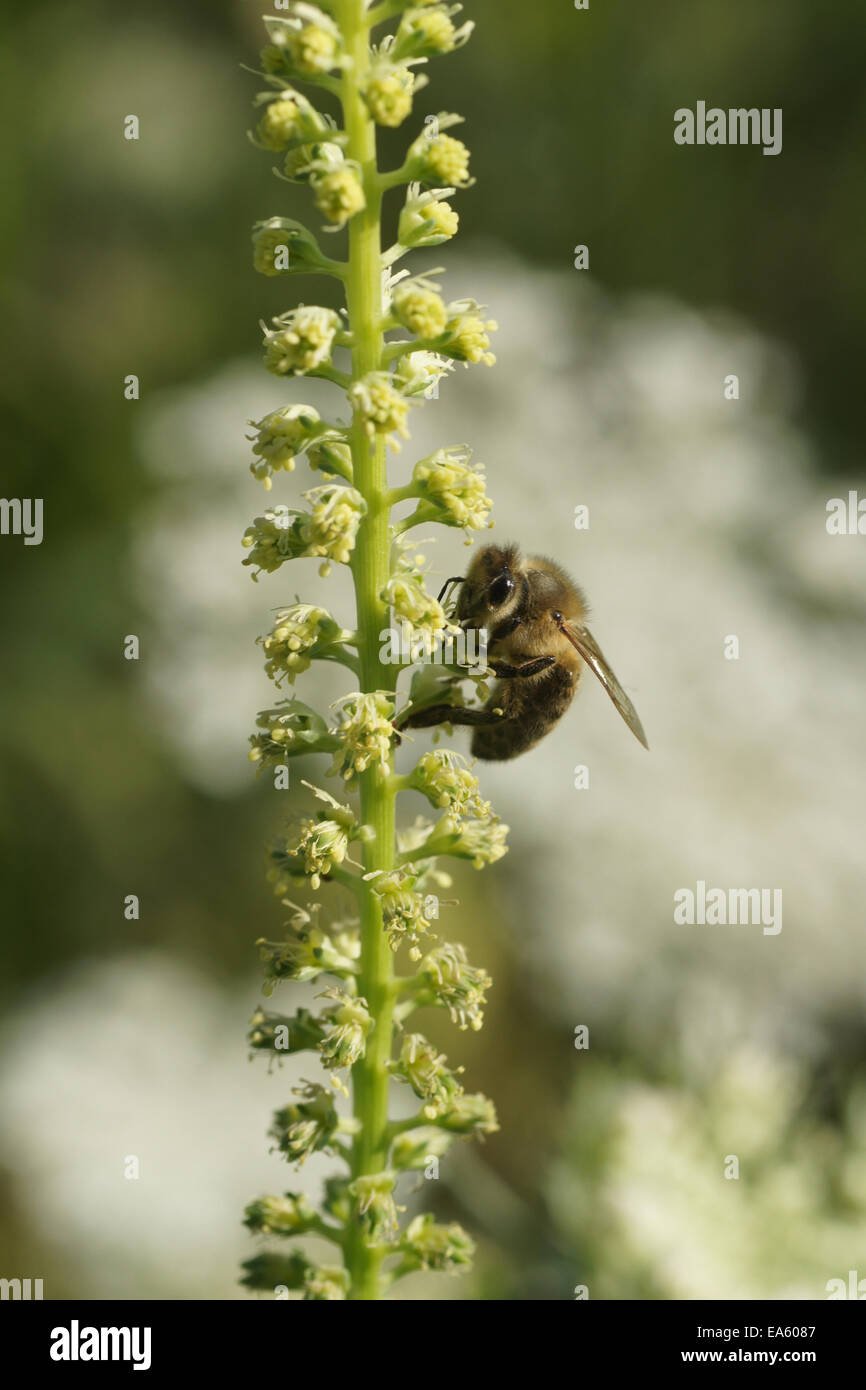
[123,777]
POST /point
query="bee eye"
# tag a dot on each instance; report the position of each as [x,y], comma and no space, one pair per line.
[500,589]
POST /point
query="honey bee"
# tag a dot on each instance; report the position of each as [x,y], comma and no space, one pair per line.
[538,645]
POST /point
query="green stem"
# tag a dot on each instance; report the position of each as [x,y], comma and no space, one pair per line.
[370,1077]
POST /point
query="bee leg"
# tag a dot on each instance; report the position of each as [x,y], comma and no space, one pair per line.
[529,668]
[447,714]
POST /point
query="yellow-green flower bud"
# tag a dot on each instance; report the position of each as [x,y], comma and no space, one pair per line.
[328,530]
[376,1207]
[279,1216]
[444,778]
[404,910]
[326,1284]
[408,598]
[332,525]
[297,632]
[452,983]
[321,843]
[302,957]
[422,311]
[417,372]
[428,31]
[279,124]
[427,1244]
[415,1147]
[288,731]
[282,1034]
[382,409]
[469,1115]
[441,159]
[345,1039]
[313,48]
[317,158]
[449,480]
[280,437]
[338,194]
[305,1126]
[426,220]
[427,1074]
[389,96]
[482,841]
[331,454]
[282,246]
[465,337]
[301,340]
[365,732]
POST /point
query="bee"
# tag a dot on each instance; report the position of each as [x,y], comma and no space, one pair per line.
[538,645]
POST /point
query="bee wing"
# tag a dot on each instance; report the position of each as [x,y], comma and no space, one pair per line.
[586,646]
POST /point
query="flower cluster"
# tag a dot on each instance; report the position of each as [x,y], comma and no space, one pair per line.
[299,634]
[455,487]
[446,781]
[382,409]
[279,439]
[438,158]
[300,340]
[365,732]
[394,342]
[410,603]
[328,529]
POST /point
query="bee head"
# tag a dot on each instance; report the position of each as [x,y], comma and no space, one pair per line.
[490,586]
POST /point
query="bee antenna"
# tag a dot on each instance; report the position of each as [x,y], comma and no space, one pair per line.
[455,579]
